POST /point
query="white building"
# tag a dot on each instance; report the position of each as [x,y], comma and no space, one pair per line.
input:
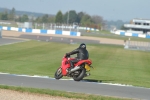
[27,24]
[140,26]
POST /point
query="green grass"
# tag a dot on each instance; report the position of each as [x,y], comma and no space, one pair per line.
[11,25]
[107,34]
[113,64]
[61,93]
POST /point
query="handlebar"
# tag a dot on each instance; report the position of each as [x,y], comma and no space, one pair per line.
[67,56]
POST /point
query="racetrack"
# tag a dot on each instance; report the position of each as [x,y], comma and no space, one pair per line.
[61,38]
[7,41]
[78,87]
[67,85]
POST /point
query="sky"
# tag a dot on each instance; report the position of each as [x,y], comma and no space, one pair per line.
[124,10]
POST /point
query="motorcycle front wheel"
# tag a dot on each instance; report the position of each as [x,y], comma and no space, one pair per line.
[80,76]
[58,74]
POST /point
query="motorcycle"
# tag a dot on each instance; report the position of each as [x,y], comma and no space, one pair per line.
[81,69]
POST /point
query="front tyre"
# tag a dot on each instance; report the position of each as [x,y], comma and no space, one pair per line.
[58,74]
[80,76]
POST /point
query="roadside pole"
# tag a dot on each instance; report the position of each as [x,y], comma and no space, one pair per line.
[0,33]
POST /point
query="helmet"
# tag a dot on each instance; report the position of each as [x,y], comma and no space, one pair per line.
[82,45]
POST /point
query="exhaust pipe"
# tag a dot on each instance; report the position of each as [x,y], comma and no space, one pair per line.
[87,74]
[75,68]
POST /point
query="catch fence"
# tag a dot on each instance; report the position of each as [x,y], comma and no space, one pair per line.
[136,45]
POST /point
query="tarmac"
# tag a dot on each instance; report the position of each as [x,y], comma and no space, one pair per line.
[13,36]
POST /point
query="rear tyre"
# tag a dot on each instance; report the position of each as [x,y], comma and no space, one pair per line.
[58,74]
[80,76]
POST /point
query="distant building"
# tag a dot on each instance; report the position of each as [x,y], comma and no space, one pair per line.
[140,26]
[27,24]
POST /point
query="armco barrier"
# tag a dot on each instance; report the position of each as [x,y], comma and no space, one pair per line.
[123,33]
[41,31]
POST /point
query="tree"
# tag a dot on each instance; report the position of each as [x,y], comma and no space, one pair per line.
[97,19]
[79,16]
[123,28]
[51,19]
[38,20]
[4,16]
[12,14]
[66,17]
[86,20]
[23,18]
[73,16]
[1,16]
[45,18]
[70,16]
[59,17]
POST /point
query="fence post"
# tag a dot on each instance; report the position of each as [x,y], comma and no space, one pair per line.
[0,33]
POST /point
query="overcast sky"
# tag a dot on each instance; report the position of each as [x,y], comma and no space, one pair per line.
[109,9]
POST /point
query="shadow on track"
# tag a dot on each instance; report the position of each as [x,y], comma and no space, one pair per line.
[93,80]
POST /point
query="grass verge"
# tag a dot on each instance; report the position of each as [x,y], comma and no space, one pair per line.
[113,64]
[107,34]
[61,93]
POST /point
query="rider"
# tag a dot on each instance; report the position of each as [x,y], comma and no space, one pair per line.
[82,54]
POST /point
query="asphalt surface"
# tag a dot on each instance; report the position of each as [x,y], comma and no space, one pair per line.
[6,41]
[56,39]
[78,87]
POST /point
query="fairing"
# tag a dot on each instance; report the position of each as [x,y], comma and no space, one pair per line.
[66,64]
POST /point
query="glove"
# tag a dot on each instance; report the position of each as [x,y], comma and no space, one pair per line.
[67,54]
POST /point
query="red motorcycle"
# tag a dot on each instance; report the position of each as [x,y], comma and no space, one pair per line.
[80,70]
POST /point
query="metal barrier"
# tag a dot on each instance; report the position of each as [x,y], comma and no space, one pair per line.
[136,45]
[41,31]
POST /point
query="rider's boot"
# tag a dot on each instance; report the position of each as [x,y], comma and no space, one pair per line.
[71,66]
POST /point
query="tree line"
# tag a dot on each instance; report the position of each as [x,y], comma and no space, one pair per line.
[70,17]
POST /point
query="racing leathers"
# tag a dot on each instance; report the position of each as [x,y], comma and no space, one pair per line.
[82,54]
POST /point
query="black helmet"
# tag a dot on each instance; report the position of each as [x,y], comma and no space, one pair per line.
[82,45]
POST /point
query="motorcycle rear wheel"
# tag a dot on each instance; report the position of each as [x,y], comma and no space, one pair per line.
[58,74]
[80,76]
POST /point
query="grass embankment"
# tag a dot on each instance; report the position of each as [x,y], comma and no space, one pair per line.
[112,63]
[107,34]
[80,96]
